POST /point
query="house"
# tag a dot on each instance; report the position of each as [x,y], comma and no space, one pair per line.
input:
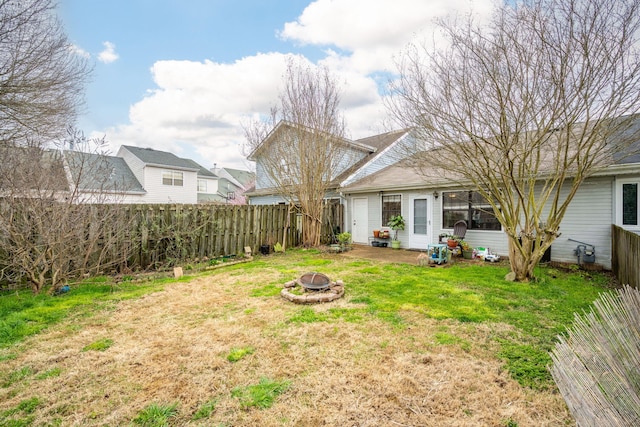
[165,177]
[134,175]
[432,204]
[234,183]
[358,158]
[98,178]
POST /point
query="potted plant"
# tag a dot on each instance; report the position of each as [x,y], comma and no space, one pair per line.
[396,223]
[452,241]
[344,240]
[467,250]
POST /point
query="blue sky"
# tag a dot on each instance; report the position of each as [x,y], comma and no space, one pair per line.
[184,75]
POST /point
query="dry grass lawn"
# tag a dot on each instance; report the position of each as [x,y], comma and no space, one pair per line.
[172,346]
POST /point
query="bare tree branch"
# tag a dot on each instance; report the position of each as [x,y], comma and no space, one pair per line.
[526,108]
[301,147]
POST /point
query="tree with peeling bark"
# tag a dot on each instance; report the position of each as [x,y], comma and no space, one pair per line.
[301,148]
[524,108]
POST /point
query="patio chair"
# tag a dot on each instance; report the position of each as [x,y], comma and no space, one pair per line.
[460,229]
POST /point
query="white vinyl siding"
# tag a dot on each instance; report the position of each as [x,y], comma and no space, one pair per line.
[157,192]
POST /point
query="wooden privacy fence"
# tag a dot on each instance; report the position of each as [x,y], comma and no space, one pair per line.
[95,239]
[625,256]
[164,233]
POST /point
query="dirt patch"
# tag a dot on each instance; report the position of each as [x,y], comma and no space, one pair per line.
[171,346]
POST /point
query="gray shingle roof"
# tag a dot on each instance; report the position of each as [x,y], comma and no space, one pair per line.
[161,158]
[242,176]
[202,171]
[96,172]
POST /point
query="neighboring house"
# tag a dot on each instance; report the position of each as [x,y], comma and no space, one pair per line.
[134,175]
[431,205]
[233,183]
[102,179]
[166,177]
[208,182]
[360,158]
[32,172]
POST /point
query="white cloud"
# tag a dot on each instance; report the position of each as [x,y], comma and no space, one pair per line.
[200,107]
[203,104]
[108,55]
[370,32]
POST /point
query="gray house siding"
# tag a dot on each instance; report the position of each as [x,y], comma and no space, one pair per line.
[381,160]
[588,219]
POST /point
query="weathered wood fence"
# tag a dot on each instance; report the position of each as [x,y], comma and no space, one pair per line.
[625,256]
[96,239]
[167,233]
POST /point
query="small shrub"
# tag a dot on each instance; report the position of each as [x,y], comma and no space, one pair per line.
[238,353]
[261,395]
[100,345]
[156,415]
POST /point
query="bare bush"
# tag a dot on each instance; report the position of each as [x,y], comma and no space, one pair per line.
[47,233]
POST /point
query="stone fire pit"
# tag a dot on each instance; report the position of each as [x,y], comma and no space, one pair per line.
[315,287]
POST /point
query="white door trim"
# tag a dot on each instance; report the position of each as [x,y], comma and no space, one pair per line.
[420,241]
[360,220]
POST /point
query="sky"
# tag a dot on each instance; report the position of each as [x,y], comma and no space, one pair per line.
[185,76]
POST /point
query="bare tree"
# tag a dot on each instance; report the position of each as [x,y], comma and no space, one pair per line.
[524,109]
[41,85]
[41,78]
[48,232]
[301,148]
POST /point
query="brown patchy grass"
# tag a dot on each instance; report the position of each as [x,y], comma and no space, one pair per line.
[172,346]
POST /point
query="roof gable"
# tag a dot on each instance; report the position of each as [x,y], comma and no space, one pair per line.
[284,126]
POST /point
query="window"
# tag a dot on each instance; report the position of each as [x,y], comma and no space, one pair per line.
[420,216]
[202,186]
[390,207]
[629,203]
[172,178]
[469,206]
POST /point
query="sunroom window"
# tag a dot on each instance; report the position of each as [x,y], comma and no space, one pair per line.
[469,206]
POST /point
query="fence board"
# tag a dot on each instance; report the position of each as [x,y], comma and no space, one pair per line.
[147,236]
[625,256]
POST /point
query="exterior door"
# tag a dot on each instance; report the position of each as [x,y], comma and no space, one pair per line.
[360,220]
[420,221]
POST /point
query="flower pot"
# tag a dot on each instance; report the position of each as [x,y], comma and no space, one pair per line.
[467,254]
[376,233]
[265,249]
[452,243]
[395,244]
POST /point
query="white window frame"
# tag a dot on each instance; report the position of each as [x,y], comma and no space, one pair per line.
[202,186]
[174,177]
[619,185]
